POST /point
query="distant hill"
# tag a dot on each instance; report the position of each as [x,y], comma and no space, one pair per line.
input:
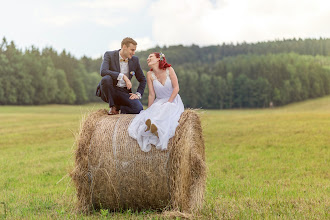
[243,75]
[180,54]
[317,104]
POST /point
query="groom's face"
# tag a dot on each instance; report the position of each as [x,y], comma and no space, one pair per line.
[129,51]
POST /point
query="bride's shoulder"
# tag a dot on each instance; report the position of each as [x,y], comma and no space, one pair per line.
[170,70]
[150,74]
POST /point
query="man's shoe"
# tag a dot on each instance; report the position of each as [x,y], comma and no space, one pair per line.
[113,111]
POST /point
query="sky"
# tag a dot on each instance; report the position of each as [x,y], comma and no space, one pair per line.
[91,27]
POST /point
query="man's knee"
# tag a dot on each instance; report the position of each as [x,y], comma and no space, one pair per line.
[137,107]
[106,81]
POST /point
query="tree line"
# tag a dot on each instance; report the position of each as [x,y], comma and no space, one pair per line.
[36,77]
[214,77]
[250,81]
[180,54]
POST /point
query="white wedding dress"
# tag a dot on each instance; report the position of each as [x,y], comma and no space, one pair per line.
[165,115]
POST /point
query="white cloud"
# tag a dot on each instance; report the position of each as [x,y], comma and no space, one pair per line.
[204,22]
[179,21]
[114,5]
[106,22]
[144,43]
[107,13]
[114,45]
[61,20]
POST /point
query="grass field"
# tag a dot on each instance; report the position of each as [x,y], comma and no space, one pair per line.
[262,164]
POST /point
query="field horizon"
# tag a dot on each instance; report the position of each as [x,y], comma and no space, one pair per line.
[262,163]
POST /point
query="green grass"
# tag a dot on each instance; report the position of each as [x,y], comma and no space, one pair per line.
[262,163]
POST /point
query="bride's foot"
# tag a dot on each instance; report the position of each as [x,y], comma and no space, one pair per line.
[148,123]
[154,130]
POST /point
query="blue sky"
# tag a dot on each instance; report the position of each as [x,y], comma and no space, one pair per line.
[91,27]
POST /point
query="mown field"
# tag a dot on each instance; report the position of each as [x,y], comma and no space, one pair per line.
[262,164]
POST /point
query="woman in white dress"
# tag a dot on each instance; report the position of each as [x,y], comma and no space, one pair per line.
[157,124]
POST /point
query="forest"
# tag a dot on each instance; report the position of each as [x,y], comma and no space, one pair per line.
[241,75]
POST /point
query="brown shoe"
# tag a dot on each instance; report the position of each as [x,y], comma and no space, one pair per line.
[148,123]
[113,111]
[154,130]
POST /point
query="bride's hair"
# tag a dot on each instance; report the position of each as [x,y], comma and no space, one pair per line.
[162,62]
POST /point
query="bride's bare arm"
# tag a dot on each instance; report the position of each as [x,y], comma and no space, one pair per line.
[175,84]
[151,97]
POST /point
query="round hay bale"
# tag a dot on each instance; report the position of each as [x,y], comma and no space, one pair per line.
[112,172]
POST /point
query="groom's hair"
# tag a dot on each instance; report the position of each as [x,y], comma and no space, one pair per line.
[126,41]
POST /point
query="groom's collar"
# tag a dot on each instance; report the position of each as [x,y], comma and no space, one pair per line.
[120,57]
[117,55]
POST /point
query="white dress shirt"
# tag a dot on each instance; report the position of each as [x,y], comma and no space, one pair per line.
[124,70]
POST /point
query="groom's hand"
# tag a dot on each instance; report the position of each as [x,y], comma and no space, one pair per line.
[128,82]
[133,96]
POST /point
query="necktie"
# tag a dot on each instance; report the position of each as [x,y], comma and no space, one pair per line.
[122,60]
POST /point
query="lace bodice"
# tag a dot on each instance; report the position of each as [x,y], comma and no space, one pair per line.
[154,77]
[162,91]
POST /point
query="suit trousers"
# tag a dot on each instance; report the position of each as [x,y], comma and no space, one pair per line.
[119,97]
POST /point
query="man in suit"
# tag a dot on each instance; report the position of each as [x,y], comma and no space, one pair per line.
[117,69]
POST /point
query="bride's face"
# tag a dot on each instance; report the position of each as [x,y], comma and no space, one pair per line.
[152,60]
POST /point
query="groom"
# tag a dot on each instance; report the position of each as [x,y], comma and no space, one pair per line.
[117,69]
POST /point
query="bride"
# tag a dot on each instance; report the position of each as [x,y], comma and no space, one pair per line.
[157,124]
